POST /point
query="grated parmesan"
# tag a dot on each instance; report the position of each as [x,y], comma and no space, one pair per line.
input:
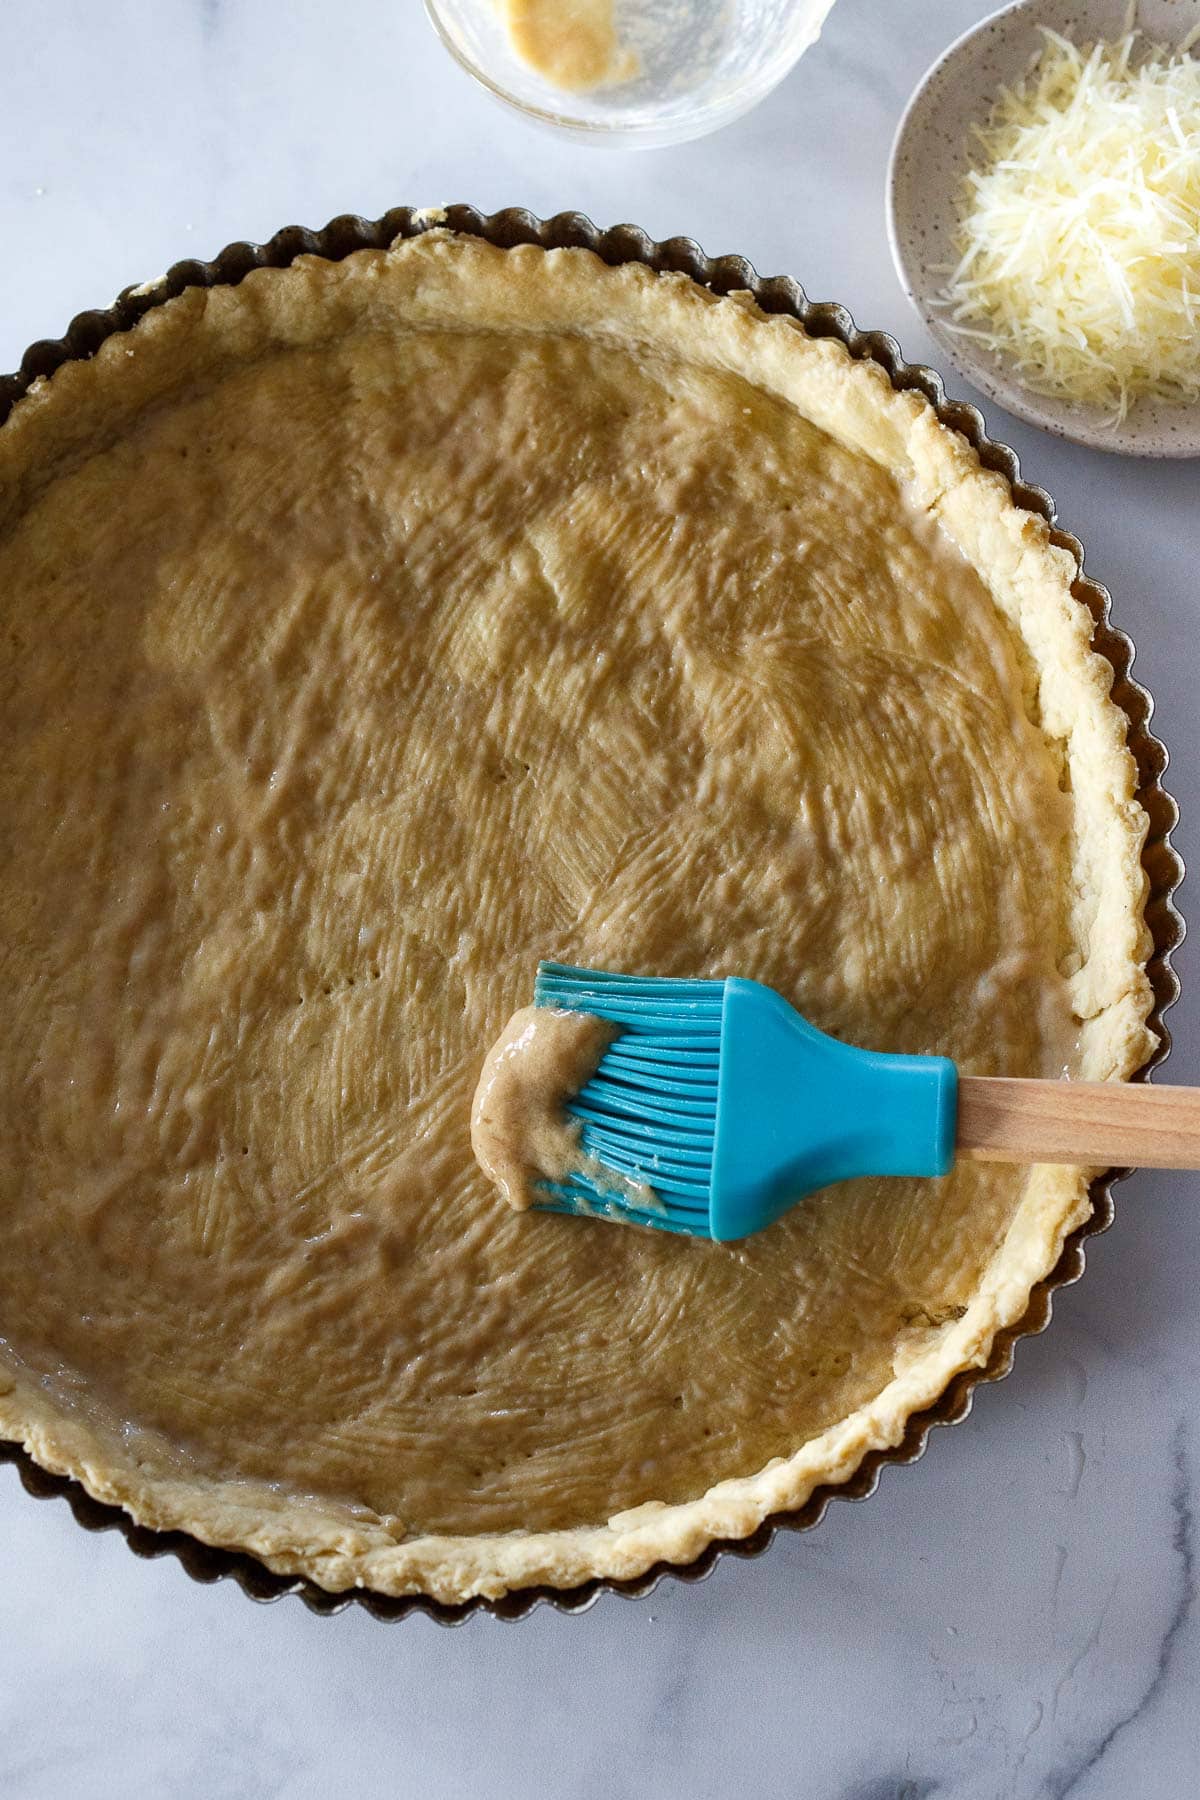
[1079,225]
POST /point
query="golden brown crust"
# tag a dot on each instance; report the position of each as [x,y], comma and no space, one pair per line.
[439,278]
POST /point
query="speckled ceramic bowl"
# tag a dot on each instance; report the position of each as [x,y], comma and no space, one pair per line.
[1164,870]
[930,157]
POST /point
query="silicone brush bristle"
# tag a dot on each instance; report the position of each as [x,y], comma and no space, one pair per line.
[649,1112]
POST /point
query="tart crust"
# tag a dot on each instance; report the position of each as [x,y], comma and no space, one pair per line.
[439,280]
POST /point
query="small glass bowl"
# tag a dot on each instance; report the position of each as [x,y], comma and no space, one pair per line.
[701,64]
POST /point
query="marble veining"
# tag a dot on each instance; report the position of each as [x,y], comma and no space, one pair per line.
[1069,1780]
[1015,1617]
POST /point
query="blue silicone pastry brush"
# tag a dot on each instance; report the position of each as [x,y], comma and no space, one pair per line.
[730,1107]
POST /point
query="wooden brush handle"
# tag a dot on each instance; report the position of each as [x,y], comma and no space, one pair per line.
[1101,1124]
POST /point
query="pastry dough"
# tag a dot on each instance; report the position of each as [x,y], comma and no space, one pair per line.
[373,629]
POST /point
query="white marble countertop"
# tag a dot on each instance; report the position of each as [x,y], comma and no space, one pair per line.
[1016,1615]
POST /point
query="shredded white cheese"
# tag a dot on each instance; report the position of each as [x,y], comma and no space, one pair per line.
[1079,226]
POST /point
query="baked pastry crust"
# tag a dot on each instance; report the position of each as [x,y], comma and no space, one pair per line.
[439,279]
